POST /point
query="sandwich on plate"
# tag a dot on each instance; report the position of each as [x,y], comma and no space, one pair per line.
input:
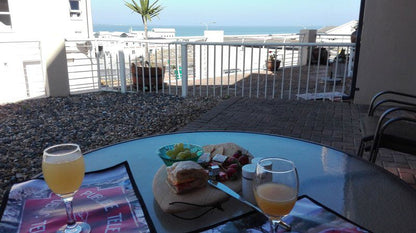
[185,176]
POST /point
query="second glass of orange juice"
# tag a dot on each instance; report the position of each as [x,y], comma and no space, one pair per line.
[275,188]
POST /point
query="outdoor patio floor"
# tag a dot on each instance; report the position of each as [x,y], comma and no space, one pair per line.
[334,124]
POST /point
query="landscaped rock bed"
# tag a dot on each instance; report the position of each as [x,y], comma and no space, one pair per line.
[91,120]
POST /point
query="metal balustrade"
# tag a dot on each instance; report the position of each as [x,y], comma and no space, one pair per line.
[82,66]
[307,70]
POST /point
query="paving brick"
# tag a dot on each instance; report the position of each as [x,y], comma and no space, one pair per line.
[389,159]
[400,158]
[392,164]
[412,164]
[328,123]
[411,158]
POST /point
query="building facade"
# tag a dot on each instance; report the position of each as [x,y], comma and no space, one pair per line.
[32,44]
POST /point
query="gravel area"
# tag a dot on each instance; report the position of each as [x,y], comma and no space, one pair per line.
[92,120]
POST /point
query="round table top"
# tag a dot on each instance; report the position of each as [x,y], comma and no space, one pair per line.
[360,191]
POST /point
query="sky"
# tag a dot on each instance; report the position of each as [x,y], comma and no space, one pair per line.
[233,12]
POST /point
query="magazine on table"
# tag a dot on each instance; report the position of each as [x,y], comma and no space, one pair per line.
[108,200]
[308,216]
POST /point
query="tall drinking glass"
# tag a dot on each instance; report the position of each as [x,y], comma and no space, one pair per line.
[63,169]
[276,188]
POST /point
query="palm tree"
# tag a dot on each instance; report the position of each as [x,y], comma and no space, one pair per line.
[147,12]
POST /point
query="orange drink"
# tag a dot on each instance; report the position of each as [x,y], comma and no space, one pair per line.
[63,169]
[275,200]
[275,188]
[64,177]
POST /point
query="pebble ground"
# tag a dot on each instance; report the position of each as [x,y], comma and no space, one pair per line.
[91,120]
[97,119]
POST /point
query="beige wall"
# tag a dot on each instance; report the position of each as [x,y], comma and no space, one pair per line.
[388,49]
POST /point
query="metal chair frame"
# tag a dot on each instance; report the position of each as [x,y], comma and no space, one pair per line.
[375,103]
[382,125]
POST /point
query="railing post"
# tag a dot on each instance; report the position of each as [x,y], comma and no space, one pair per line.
[351,60]
[97,55]
[122,71]
[184,63]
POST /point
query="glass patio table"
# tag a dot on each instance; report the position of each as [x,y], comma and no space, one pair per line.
[360,191]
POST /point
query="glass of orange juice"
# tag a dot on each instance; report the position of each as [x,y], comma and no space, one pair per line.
[275,187]
[63,169]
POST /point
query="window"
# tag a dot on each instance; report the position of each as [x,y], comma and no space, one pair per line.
[74,5]
[5,20]
[75,11]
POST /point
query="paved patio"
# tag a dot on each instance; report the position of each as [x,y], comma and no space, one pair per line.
[335,124]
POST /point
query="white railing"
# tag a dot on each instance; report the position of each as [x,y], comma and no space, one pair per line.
[229,69]
[208,69]
[333,38]
[82,65]
[21,72]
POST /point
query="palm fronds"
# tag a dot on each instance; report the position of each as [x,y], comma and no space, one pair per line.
[145,9]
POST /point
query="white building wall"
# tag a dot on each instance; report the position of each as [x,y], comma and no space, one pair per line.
[21,73]
[47,22]
[162,33]
[215,60]
[33,20]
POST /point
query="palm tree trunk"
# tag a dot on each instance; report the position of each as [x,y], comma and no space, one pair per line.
[146,51]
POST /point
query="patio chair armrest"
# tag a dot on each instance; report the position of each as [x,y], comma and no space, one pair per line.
[381,102]
[373,103]
[391,110]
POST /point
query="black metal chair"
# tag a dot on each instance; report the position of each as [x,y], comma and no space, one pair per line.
[394,129]
[396,133]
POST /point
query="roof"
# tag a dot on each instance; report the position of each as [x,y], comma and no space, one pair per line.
[164,30]
[325,29]
[346,28]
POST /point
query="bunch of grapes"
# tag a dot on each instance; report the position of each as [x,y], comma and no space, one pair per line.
[180,152]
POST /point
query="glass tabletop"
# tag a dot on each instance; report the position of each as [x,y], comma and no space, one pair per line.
[352,187]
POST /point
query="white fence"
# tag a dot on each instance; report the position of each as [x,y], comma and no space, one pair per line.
[307,70]
[82,66]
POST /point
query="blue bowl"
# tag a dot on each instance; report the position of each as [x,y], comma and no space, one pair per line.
[169,161]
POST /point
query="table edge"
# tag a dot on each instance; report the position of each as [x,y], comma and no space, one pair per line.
[373,165]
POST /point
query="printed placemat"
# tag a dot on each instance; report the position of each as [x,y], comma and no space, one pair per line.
[308,215]
[108,200]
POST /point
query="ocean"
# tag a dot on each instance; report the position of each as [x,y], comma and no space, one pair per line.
[199,30]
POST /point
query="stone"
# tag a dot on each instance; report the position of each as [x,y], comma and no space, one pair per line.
[92,120]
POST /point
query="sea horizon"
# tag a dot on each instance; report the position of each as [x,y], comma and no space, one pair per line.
[198,30]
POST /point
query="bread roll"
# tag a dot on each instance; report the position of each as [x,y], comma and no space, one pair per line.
[185,176]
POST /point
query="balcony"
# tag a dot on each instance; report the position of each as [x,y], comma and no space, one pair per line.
[238,70]
[189,68]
